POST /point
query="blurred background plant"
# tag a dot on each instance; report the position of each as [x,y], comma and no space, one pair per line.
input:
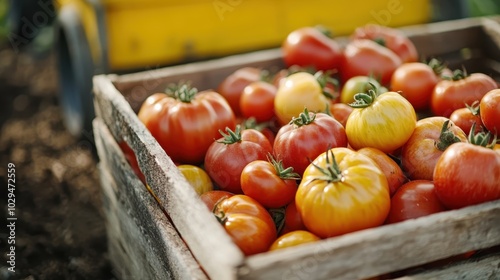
[3,20]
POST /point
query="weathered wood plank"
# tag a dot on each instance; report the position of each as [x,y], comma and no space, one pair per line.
[208,241]
[139,233]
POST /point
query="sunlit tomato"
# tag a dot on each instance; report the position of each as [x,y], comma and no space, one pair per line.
[231,88]
[415,81]
[292,239]
[227,156]
[247,222]
[342,191]
[296,92]
[197,177]
[467,174]
[257,100]
[306,137]
[309,47]
[490,111]
[293,220]
[449,95]
[269,183]
[341,112]
[132,160]
[356,85]
[466,117]
[268,128]
[384,122]
[186,124]
[211,198]
[391,38]
[413,200]
[392,171]
[430,138]
[363,57]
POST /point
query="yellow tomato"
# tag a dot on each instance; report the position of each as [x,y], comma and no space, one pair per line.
[197,177]
[293,238]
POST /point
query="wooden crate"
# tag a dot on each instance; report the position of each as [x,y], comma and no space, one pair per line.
[145,243]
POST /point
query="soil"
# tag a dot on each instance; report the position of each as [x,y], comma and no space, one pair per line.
[59,231]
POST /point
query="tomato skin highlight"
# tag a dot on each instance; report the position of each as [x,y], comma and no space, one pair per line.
[292,239]
[489,109]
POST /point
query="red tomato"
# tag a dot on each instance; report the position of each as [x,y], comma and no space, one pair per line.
[257,100]
[187,123]
[293,220]
[292,239]
[413,200]
[449,95]
[341,112]
[391,38]
[269,183]
[211,198]
[132,160]
[392,171]
[466,117]
[309,47]
[490,111]
[227,156]
[415,81]
[232,86]
[364,57]
[248,223]
[467,174]
[430,138]
[306,137]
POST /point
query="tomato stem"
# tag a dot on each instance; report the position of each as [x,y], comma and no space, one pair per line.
[181,92]
[363,100]
[481,138]
[446,137]
[437,66]
[281,171]
[473,108]
[304,118]
[380,41]
[230,137]
[278,215]
[324,79]
[332,171]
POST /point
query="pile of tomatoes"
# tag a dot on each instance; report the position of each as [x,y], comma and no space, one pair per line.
[345,138]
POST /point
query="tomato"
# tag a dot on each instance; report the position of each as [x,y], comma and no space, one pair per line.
[449,95]
[342,191]
[391,38]
[269,183]
[363,57]
[293,220]
[356,85]
[132,160]
[292,239]
[490,111]
[415,81]
[227,156]
[197,177]
[413,200]
[268,128]
[213,197]
[247,222]
[384,121]
[257,100]
[231,88]
[466,117]
[296,92]
[467,174]
[187,123]
[309,47]
[341,112]
[392,171]
[430,138]
[306,137]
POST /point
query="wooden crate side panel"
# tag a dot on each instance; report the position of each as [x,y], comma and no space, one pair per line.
[216,252]
[384,249]
[144,245]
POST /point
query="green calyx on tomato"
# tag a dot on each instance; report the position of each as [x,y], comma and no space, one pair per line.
[230,137]
[457,75]
[446,137]
[304,118]
[473,108]
[324,79]
[332,172]
[283,173]
[482,138]
[437,66]
[363,100]
[181,92]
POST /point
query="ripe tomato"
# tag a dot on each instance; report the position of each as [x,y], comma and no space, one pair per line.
[430,138]
[293,220]
[257,100]
[356,85]
[363,57]
[342,191]
[187,123]
[413,200]
[449,95]
[292,239]
[391,38]
[341,112]
[392,171]
[296,92]
[490,111]
[247,222]
[268,128]
[467,174]
[415,81]
[132,160]
[232,86]
[269,183]
[466,117]
[227,156]
[213,197]
[197,177]
[308,47]
[306,137]
[384,122]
